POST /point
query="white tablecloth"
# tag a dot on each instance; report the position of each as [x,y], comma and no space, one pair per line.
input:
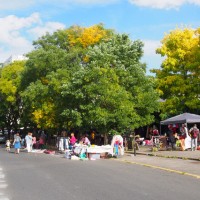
[100,149]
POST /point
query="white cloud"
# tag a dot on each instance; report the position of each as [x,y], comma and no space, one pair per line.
[150,57]
[21,4]
[44,28]
[163,4]
[150,47]
[196,2]
[158,4]
[90,1]
[11,37]
[15,4]
[13,23]
[16,34]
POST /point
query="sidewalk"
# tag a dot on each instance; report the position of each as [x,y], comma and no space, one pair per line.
[186,155]
[179,162]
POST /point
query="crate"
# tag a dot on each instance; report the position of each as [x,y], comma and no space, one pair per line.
[94,156]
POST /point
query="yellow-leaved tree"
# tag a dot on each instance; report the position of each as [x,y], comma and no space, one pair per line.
[178,79]
[11,102]
[86,36]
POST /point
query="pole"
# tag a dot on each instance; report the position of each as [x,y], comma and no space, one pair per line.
[134,146]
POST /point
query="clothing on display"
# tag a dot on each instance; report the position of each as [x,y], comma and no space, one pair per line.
[63,143]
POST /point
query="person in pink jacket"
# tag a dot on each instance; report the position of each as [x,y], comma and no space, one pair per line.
[72,141]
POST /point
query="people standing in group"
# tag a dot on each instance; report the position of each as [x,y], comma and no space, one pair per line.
[194,133]
[17,143]
[29,142]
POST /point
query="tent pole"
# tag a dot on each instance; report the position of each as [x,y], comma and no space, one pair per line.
[160,129]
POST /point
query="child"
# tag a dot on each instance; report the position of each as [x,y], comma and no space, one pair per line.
[117,146]
[8,145]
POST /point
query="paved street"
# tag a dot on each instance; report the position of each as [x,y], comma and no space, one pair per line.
[40,176]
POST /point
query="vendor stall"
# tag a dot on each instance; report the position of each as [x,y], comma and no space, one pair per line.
[96,151]
[92,152]
[184,119]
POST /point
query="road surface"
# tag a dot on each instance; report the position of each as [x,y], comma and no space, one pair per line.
[32,176]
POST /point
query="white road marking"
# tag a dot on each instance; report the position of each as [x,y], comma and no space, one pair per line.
[3,185]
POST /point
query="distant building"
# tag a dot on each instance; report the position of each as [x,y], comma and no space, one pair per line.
[13,58]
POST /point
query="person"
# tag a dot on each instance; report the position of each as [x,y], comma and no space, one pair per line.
[150,133]
[86,141]
[194,132]
[72,141]
[171,138]
[155,135]
[117,145]
[8,145]
[155,131]
[93,137]
[34,142]
[186,135]
[42,140]
[16,143]
[182,131]
[29,142]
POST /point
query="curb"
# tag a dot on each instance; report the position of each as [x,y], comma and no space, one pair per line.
[163,156]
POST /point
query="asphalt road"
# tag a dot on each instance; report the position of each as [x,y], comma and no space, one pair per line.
[46,177]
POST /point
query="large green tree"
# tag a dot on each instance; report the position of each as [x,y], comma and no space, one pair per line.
[88,78]
[112,91]
[178,79]
[53,62]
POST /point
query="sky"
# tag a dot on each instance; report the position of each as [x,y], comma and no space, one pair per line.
[23,21]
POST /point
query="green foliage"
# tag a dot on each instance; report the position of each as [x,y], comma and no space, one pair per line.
[178,79]
[11,104]
[86,78]
[112,91]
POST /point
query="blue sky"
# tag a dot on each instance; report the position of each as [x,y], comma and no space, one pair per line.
[22,21]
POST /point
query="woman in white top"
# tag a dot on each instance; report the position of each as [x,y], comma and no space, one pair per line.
[29,141]
[187,137]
